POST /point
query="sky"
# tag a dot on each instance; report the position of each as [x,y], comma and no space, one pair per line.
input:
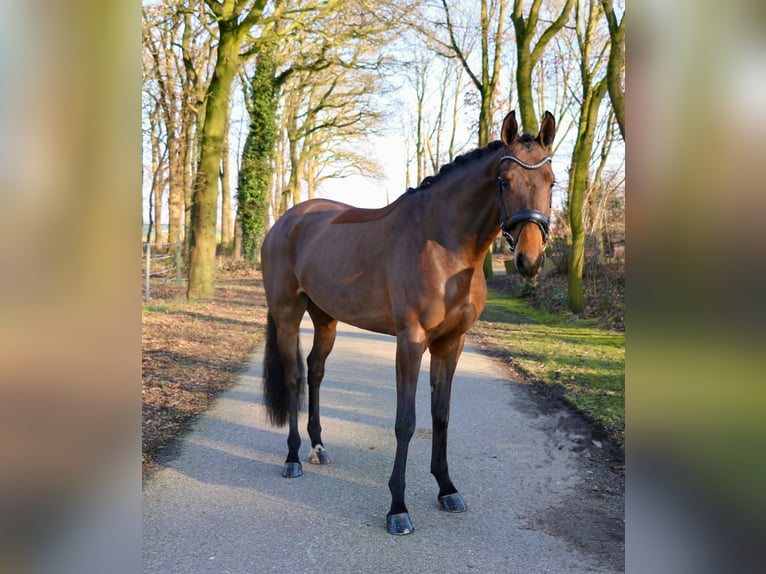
[364,192]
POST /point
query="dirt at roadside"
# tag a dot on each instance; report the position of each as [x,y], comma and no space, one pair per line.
[192,351]
[592,516]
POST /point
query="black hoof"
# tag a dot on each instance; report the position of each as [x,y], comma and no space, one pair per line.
[319,456]
[452,502]
[399,524]
[292,470]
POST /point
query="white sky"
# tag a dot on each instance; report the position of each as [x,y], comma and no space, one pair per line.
[363,192]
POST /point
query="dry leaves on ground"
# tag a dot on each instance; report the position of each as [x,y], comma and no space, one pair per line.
[192,351]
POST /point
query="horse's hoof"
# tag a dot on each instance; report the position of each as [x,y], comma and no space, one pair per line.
[399,524]
[292,470]
[452,502]
[318,455]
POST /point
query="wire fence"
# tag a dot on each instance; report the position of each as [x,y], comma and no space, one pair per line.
[164,262]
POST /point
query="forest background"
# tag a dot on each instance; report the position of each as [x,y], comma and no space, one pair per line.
[252,107]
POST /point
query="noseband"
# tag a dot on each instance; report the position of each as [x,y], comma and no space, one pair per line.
[525,215]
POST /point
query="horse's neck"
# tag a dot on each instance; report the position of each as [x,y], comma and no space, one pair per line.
[464,206]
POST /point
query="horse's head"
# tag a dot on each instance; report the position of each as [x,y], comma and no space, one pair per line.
[525,184]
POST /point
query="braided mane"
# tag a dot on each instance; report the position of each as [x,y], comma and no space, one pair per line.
[361,215]
[459,161]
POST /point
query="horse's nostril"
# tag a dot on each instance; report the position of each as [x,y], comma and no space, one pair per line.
[519,262]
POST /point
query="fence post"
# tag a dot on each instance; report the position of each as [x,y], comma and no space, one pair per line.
[148,270]
[178,261]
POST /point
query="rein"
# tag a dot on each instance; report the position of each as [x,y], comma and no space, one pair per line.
[525,215]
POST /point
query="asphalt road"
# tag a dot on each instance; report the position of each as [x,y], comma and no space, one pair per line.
[535,494]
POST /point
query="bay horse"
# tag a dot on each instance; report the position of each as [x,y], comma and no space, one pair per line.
[412,270]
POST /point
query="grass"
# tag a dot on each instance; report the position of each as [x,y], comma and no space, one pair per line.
[585,361]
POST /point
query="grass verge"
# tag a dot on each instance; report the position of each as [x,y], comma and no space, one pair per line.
[586,362]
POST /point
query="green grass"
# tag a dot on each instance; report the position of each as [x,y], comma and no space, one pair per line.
[586,361]
[157,308]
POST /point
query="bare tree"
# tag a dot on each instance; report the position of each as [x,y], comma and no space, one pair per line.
[616,67]
[160,26]
[491,26]
[528,55]
[593,84]
[177,44]
[485,77]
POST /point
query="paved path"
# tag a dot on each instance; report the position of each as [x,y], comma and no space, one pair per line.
[219,504]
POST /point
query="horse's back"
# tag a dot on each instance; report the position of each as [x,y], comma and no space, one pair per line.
[345,268]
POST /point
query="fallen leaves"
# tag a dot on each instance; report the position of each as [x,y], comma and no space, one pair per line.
[192,351]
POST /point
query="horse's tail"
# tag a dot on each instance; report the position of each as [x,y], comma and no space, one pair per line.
[275,392]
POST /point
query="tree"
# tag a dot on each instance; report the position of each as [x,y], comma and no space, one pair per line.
[160,26]
[256,168]
[331,89]
[197,47]
[615,70]
[486,79]
[593,92]
[177,45]
[235,20]
[527,56]
[437,85]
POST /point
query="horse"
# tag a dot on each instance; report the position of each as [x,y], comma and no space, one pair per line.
[412,270]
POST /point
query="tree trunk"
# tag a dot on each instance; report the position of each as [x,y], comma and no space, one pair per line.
[615,70]
[578,186]
[256,166]
[237,249]
[225,192]
[193,147]
[527,112]
[175,187]
[310,183]
[155,211]
[296,172]
[528,56]
[205,195]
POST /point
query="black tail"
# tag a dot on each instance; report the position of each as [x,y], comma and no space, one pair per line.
[275,392]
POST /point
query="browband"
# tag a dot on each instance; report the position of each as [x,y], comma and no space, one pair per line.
[524,164]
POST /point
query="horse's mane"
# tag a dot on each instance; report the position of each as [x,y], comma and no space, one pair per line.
[461,160]
[359,215]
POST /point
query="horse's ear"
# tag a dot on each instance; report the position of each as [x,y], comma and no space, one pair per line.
[510,129]
[547,130]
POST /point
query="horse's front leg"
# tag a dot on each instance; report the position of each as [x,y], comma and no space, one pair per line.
[409,354]
[444,357]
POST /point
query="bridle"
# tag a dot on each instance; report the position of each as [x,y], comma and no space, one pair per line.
[525,215]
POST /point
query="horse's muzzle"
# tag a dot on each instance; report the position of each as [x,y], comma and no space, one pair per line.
[527,267]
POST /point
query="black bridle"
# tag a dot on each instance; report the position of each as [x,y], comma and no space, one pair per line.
[525,215]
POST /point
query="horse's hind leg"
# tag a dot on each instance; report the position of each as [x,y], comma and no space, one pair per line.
[324,339]
[288,331]
[444,357]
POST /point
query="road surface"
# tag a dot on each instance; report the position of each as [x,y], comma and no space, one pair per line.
[531,478]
